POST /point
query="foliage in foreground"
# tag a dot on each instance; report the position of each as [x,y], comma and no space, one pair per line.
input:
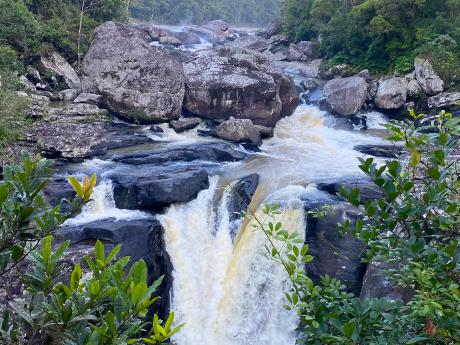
[412,233]
[105,304]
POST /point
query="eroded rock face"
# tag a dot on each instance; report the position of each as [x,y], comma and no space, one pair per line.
[391,94]
[346,96]
[132,75]
[56,64]
[427,77]
[158,188]
[232,82]
[239,130]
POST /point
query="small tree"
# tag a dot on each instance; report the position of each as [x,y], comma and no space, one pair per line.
[414,229]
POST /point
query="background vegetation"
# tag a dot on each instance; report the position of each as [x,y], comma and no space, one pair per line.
[380,35]
[240,12]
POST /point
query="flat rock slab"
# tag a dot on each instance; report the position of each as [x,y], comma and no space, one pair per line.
[384,151]
[80,137]
[210,152]
[158,187]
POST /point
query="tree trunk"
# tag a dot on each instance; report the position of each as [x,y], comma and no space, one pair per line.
[82,12]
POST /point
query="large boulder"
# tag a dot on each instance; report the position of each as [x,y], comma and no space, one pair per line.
[335,255]
[239,130]
[56,64]
[232,82]
[186,38]
[304,69]
[309,49]
[431,83]
[445,99]
[391,94]
[346,96]
[251,42]
[159,187]
[217,25]
[290,53]
[138,81]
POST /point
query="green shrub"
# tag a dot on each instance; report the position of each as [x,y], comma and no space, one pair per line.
[12,115]
[413,230]
[107,306]
[18,27]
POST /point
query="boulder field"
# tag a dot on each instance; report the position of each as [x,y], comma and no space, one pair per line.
[145,83]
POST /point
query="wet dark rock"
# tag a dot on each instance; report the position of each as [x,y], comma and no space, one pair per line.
[335,255]
[368,189]
[156,129]
[385,151]
[210,152]
[57,189]
[265,132]
[241,193]
[377,285]
[158,188]
[184,124]
[140,239]
[443,100]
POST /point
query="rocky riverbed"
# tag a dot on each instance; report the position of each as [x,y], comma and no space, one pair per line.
[169,117]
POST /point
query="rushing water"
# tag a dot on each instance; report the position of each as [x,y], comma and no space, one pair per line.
[229,292]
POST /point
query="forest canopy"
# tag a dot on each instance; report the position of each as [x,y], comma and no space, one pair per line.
[240,12]
[379,34]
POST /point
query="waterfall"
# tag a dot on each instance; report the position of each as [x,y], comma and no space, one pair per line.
[225,294]
[232,293]
[102,206]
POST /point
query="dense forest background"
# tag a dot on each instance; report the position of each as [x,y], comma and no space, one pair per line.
[381,35]
[238,12]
